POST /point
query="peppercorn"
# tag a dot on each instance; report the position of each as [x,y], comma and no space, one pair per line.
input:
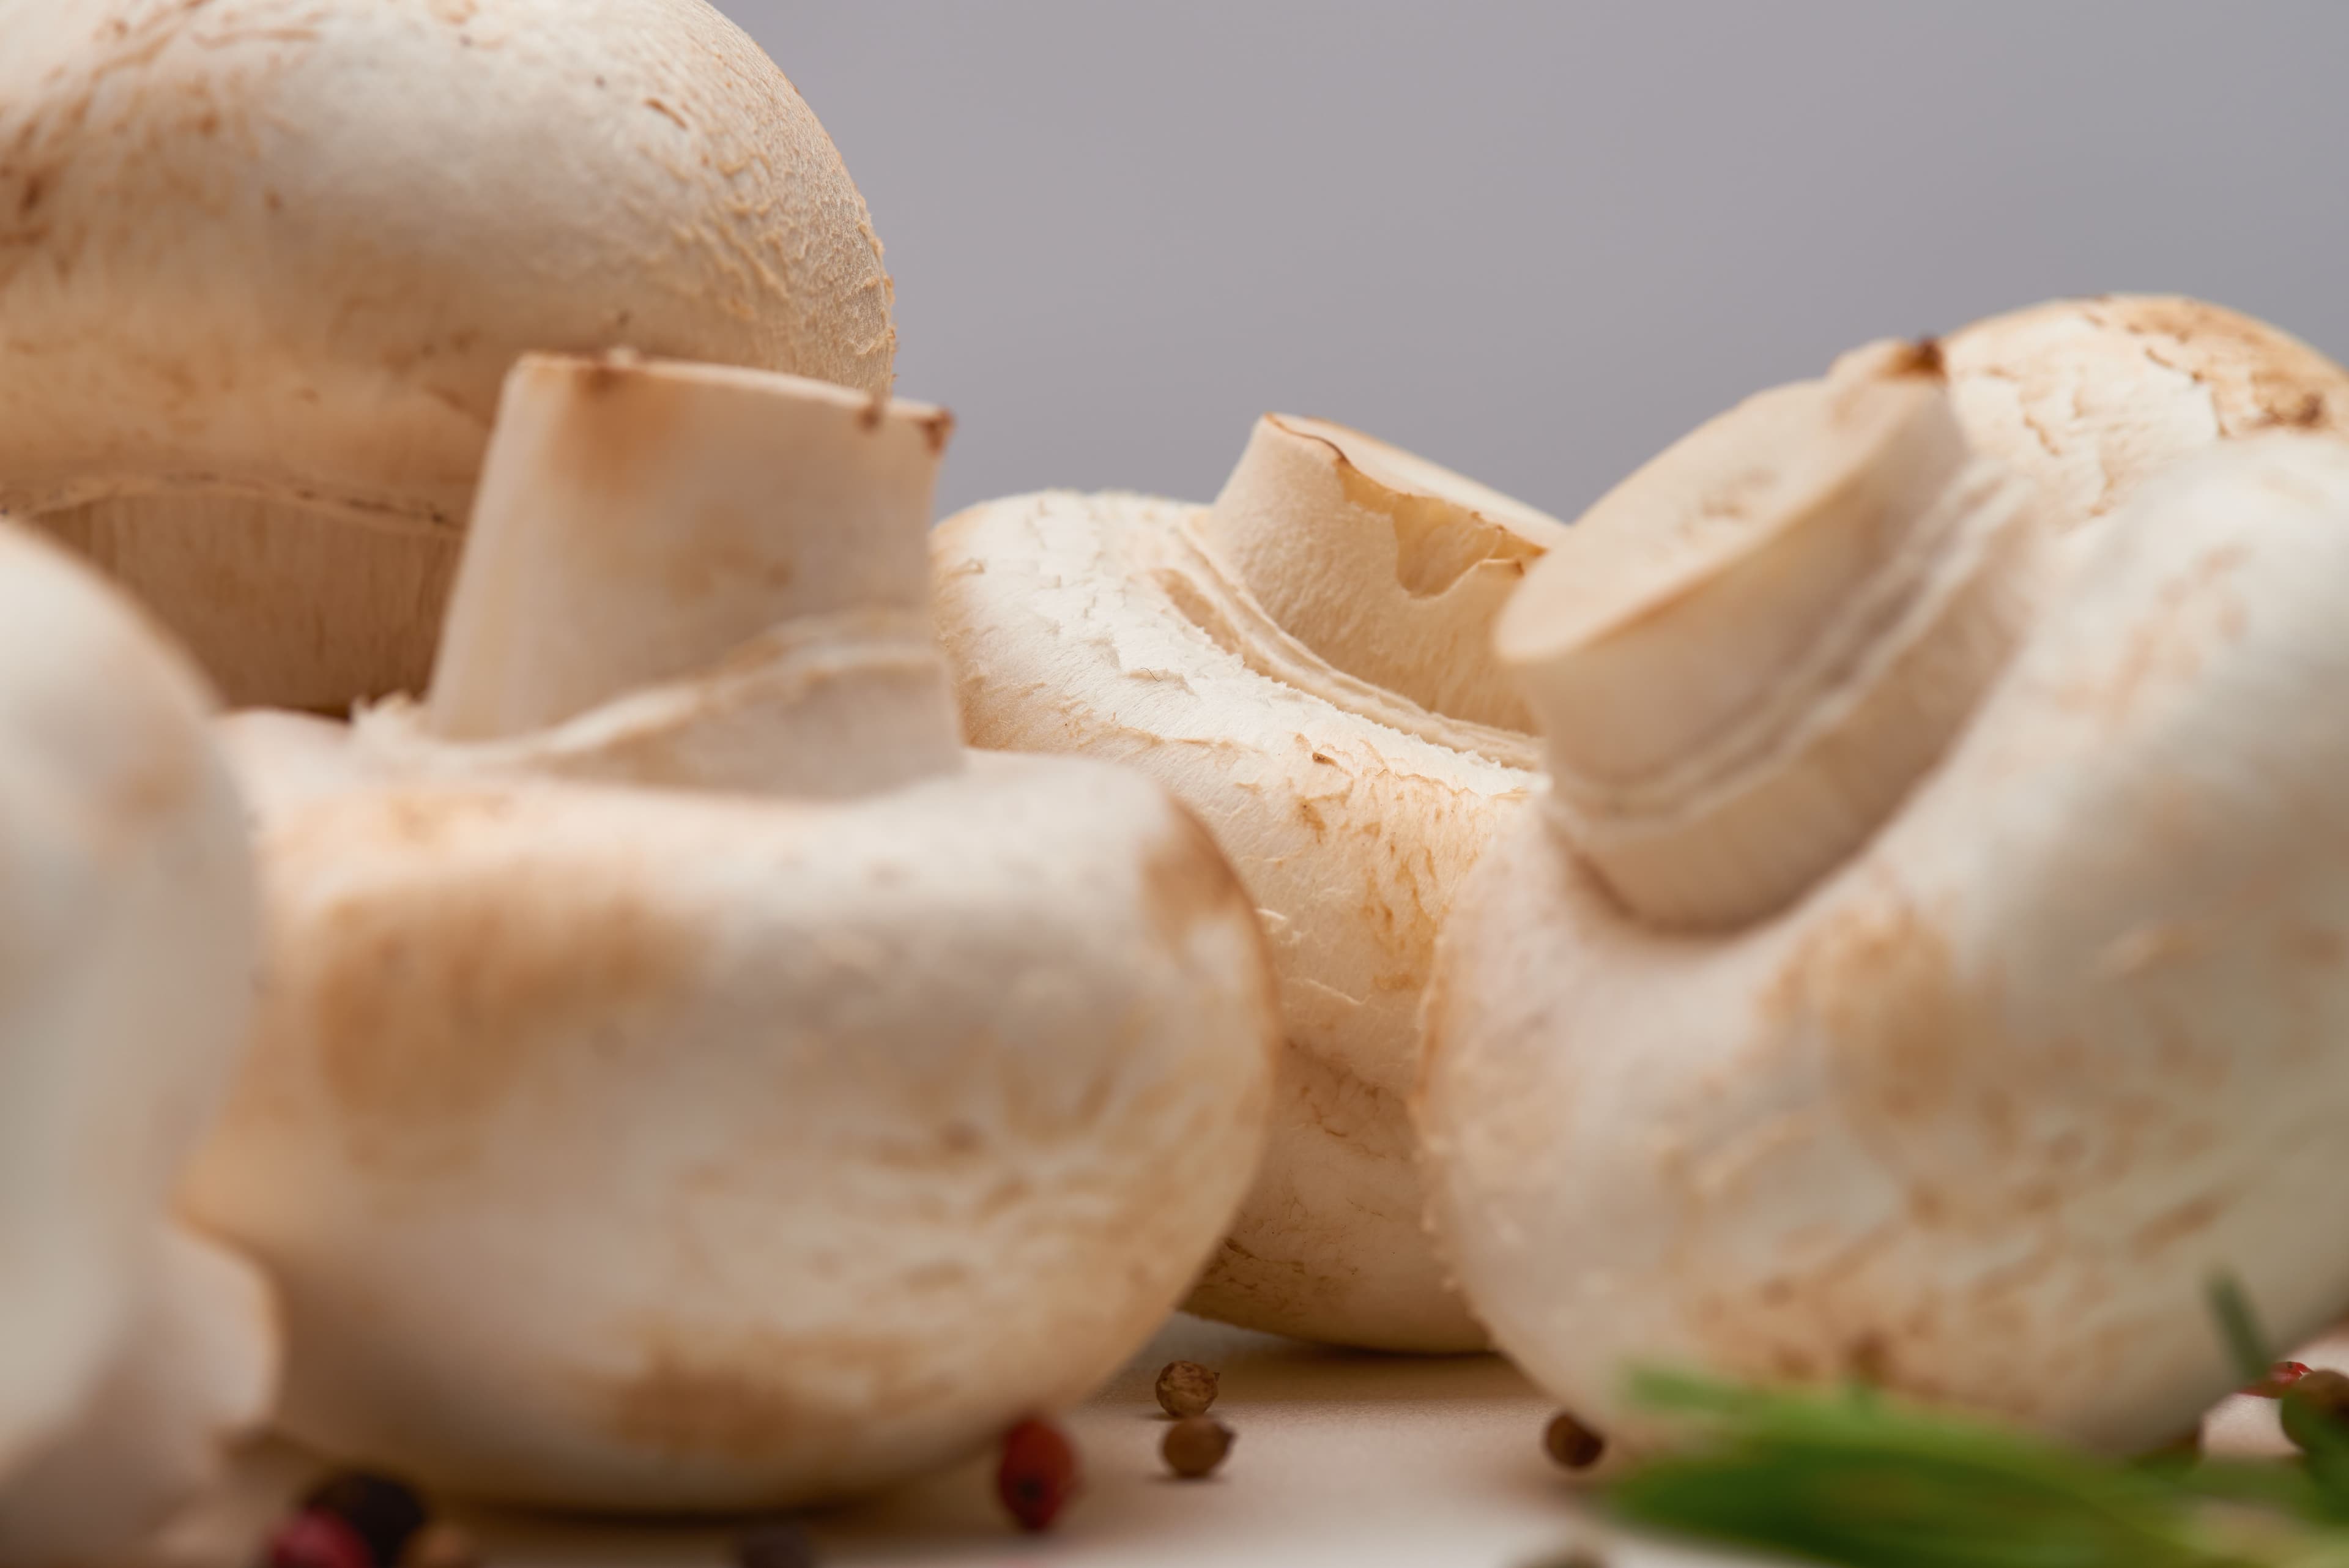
[1185,1388]
[385,1510]
[314,1537]
[1195,1446]
[1037,1474]
[2281,1377]
[1571,1444]
[2316,1404]
[779,1544]
[441,1546]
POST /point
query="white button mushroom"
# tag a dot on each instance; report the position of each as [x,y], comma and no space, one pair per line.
[1930,965]
[130,1349]
[263,264]
[684,1081]
[1306,664]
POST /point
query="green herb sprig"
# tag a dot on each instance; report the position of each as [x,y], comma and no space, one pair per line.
[1855,1477]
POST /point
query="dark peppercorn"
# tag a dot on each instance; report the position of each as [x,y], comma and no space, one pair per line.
[2317,1402]
[314,1537]
[1196,1445]
[386,1511]
[1037,1474]
[1571,1444]
[1185,1388]
[782,1544]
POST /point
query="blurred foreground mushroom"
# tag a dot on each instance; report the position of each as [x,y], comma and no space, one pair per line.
[263,264]
[686,1079]
[131,1349]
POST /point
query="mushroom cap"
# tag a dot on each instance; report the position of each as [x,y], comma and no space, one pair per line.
[2091,398]
[1980,1112]
[127,933]
[658,1149]
[263,264]
[1075,623]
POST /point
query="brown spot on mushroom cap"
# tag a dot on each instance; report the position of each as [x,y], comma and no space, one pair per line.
[736,1398]
[2168,644]
[1923,358]
[1877,981]
[2256,376]
[434,985]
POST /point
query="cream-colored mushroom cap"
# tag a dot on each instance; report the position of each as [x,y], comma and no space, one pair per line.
[263,264]
[1928,964]
[1306,664]
[130,1351]
[686,1081]
[2089,399]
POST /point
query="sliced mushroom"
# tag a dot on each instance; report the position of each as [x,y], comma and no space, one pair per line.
[132,1351]
[685,1080]
[1306,664]
[1928,962]
[263,264]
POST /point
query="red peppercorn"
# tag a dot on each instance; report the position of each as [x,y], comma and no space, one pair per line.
[1037,1474]
[314,1538]
[2281,1377]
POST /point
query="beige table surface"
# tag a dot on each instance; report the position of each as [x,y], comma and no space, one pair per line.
[1366,1462]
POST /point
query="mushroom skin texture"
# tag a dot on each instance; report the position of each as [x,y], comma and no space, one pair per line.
[2091,398]
[1972,1101]
[263,264]
[1306,665]
[688,1081]
[135,1350]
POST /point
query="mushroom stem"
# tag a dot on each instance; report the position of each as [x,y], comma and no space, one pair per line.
[646,525]
[1742,658]
[1382,565]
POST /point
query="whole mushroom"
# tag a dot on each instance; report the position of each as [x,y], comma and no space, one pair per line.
[1305,663]
[1934,893]
[264,262]
[132,1350]
[686,1080]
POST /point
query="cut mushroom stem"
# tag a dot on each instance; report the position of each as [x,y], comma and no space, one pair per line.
[770,634]
[1742,657]
[1336,549]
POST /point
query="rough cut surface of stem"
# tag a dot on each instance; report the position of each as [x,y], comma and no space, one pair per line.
[1388,567]
[1743,656]
[718,573]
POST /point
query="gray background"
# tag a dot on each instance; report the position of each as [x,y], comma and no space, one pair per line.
[1534,242]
